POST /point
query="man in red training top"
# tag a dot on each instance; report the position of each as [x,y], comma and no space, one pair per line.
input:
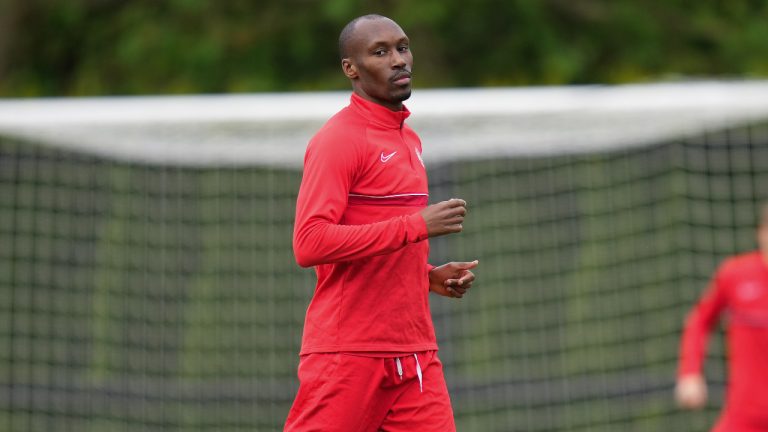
[740,288]
[368,358]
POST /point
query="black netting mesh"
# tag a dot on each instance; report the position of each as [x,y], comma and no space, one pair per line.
[158,298]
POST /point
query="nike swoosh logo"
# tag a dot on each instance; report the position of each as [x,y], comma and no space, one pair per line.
[385,159]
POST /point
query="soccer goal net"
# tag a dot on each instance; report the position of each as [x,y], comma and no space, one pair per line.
[147,281]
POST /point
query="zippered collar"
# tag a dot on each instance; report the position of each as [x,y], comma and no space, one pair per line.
[379,114]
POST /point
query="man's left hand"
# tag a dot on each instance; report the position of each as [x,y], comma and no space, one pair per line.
[452,279]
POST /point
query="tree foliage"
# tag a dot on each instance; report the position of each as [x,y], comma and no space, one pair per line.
[97,47]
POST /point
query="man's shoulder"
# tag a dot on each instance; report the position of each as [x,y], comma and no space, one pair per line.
[408,129]
[344,119]
[345,124]
[741,262]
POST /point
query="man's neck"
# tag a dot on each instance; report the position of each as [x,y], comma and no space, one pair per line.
[392,106]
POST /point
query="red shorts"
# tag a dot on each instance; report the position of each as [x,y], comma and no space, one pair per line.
[349,392]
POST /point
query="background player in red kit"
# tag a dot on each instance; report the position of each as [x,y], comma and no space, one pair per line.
[368,359]
[740,289]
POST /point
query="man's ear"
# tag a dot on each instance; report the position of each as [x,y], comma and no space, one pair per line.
[350,70]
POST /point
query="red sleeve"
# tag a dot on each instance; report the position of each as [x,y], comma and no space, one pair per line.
[698,326]
[330,168]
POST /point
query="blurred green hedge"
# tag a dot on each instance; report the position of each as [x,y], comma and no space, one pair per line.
[98,47]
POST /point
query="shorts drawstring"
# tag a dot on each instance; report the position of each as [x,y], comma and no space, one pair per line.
[418,371]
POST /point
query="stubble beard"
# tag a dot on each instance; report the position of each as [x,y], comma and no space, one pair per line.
[400,94]
[403,96]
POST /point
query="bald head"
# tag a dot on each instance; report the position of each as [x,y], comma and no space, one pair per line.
[376,57]
[347,36]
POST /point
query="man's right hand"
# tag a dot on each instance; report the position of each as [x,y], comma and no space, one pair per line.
[445,217]
[691,392]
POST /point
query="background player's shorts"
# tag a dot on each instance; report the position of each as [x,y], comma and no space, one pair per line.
[348,392]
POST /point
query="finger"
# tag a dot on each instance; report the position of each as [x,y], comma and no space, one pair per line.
[461,290]
[453,228]
[456,202]
[454,216]
[458,209]
[465,286]
[454,293]
[452,212]
[468,277]
[466,265]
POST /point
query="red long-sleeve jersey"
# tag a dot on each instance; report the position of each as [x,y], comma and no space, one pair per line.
[740,289]
[358,223]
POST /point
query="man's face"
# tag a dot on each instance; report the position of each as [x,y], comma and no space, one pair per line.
[380,63]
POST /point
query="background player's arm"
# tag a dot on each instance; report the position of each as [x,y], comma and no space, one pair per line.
[691,387]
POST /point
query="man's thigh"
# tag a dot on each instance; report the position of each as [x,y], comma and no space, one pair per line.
[341,392]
